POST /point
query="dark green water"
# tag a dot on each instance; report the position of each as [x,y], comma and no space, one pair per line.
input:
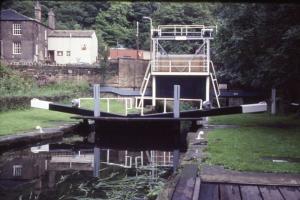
[67,169]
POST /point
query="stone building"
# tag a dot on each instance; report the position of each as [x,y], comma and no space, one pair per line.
[26,41]
[23,39]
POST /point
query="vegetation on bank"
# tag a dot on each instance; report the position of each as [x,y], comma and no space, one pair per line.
[16,89]
[13,83]
[255,143]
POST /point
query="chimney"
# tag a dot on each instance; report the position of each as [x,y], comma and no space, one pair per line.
[38,11]
[51,19]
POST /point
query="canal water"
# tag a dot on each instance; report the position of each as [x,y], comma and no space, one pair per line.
[77,168]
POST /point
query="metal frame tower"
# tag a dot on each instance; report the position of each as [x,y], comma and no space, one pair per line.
[163,64]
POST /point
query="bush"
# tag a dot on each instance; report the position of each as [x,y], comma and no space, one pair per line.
[12,83]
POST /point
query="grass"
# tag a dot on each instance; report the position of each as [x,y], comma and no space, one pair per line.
[258,136]
[25,120]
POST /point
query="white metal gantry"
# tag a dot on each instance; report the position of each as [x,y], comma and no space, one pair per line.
[164,64]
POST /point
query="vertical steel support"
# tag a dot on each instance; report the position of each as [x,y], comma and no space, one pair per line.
[207,88]
[153,90]
[176,114]
[96,90]
[273,106]
[96,171]
[176,101]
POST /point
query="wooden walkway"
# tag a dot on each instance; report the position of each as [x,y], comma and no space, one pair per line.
[221,191]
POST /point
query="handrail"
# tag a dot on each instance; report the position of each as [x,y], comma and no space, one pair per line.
[165,99]
[145,78]
[184,30]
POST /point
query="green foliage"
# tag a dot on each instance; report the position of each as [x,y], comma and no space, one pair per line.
[12,83]
[258,45]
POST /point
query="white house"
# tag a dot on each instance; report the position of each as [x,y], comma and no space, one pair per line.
[72,46]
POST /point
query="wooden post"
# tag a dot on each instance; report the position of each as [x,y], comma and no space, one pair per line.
[273,106]
[176,114]
[96,100]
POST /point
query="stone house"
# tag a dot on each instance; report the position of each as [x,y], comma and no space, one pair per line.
[24,39]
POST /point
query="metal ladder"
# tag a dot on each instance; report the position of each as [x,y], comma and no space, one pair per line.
[145,84]
[215,83]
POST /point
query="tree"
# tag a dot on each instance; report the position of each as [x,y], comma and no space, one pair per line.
[258,46]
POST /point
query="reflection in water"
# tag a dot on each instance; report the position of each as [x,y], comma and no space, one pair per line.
[76,170]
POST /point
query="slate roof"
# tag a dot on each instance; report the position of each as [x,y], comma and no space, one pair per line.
[73,33]
[10,14]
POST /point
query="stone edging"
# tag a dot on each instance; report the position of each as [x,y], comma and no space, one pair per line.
[25,139]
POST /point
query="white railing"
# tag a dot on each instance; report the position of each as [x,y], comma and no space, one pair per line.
[128,102]
[164,99]
[138,102]
[184,30]
[181,63]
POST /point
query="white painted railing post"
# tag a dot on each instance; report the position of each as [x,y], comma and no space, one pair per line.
[96,90]
[165,105]
[142,108]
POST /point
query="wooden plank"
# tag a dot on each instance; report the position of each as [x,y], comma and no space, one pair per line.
[185,186]
[229,192]
[209,191]
[196,189]
[250,192]
[270,193]
[290,193]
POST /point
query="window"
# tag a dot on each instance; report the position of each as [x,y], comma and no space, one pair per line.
[17,48]
[68,53]
[17,29]
[59,53]
[17,170]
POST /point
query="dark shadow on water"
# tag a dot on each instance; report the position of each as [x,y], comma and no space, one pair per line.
[130,164]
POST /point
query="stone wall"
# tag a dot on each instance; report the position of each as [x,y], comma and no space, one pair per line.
[123,73]
[131,72]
